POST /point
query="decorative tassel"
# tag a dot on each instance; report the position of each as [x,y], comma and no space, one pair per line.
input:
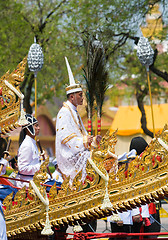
[106,201]
[77,228]
[22,120]
[47,228]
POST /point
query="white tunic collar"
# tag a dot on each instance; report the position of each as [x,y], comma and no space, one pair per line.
[30,138]
[71,105]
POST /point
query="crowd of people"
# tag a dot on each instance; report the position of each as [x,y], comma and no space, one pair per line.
[140,219]
[72,148]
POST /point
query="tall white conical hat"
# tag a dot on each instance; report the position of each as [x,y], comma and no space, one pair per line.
[73,87]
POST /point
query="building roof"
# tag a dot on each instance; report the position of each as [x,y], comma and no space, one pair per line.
[127,119]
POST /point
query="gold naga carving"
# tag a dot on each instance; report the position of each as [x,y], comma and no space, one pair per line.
[10,101]
[146,180]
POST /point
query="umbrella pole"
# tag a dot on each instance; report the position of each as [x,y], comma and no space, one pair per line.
[151,101]
[35,80]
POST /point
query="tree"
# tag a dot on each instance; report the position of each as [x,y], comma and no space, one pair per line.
[59,27]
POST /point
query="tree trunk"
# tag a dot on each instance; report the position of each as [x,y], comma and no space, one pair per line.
[28,92]
[139,97]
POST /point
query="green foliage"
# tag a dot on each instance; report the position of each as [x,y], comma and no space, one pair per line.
[59,26]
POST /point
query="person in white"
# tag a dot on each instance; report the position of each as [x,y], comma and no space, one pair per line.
[122,222]
[56,175]
[28,154]
[3,161]
[3,164]
[72,140]
[3,235]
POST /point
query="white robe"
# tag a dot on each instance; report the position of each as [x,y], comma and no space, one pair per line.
[28,161]
[71,154]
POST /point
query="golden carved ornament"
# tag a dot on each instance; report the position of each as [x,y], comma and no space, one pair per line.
[9,101]
[146,180]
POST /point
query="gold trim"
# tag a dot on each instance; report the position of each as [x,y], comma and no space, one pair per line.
[146,181]
[73,87]
[68,138]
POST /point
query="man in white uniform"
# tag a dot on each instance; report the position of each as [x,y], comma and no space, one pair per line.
[3,161]
[72,140]
[28,154]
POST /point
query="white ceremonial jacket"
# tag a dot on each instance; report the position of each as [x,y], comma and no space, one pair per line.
[71,153]
[3,162]
[28,160]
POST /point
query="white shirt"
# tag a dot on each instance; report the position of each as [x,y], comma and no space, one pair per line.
[145,211]
[126,217]
[71,153]
[3,162]
[28,160]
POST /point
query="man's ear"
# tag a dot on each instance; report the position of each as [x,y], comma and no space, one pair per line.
[72,96]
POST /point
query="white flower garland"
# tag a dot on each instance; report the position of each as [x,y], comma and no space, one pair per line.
[47,228]
[115,218]
[106,178]
[20,95]
[77,228]
[163,144]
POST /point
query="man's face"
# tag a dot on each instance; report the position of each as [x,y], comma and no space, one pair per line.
[37,129]
[77,98]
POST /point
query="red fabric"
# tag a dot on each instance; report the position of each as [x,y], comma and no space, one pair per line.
[90,178]
[5,181]
[152,208]
[141,231]
[140,209]
[147,221]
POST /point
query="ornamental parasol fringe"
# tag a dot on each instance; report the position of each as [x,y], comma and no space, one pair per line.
[22,120]
[47,228]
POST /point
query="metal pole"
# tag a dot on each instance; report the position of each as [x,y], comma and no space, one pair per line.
[35,81]
[150,101]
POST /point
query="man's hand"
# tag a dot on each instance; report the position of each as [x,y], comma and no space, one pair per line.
[89,139]
[98,138]
[120,223]
[136,218]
